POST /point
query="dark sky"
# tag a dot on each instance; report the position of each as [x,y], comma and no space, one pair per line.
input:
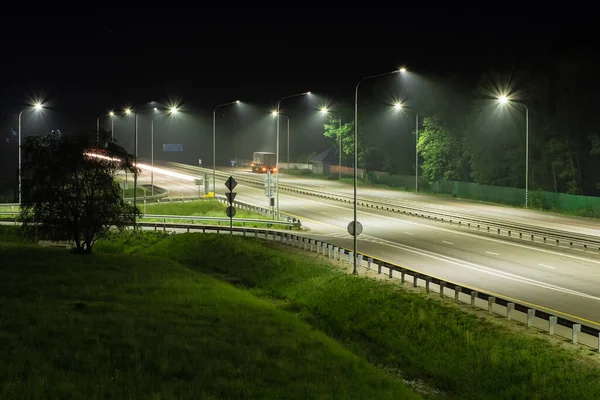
[85,64]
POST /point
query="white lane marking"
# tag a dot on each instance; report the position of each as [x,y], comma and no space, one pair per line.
[547,266]
[447,242]
[395,219]
[484,269]
[492,253]
[378,226]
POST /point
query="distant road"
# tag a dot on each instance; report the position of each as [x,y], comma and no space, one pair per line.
[558,278]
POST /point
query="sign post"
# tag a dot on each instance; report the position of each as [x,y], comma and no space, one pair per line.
[230,184]
[270,190]
[199,184]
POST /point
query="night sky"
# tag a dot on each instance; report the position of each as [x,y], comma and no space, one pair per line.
[84,65]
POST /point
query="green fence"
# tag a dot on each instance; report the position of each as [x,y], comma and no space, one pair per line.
[584,205]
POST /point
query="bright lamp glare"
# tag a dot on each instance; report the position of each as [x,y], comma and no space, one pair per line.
[398,106]
[308,92]
[111,113]
[402,69]
[237,101]
[128,111]
[173,110]
[155,108]
[274,113]
[38,106]
[324,110]
[503,99]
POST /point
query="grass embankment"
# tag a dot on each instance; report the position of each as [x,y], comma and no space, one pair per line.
[416,336]
[122,327]
[208,208]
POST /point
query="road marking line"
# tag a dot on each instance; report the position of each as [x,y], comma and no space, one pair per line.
[547,266]
[447,242]
[396,219]
[378,226]
[491,252]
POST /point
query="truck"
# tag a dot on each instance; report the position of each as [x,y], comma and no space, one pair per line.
[263,161]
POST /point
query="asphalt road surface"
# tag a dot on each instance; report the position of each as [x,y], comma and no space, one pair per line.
[548,276]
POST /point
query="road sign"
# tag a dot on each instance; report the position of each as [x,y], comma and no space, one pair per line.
[230,196]
[270,192]
[359,228]
[198,181]
[269,181]
[230,183]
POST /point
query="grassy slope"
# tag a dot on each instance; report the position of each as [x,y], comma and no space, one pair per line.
[120,327]
[464,356]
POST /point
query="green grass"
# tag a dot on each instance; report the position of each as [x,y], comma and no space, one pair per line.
[111,326]
[465,357]
[209,208]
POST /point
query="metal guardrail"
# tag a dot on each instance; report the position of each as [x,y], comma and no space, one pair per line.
[488,224]
[419,279]
[286,224]
[244,221]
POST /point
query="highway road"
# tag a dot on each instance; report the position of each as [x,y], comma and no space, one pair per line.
[558,278]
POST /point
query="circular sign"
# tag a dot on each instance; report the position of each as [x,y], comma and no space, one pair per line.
[230,211]
[359,228]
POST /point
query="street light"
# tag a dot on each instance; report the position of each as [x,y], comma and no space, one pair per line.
[277,113]
[400,107]
[325,111]
[171,110]
[355,244]
[214,139]
[111,114]
[135,112]
[504,100]
[36,107]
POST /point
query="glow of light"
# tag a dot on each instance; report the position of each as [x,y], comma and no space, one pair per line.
[128,111]
[308,92]
[398,106]
[237,101]
[274,113]
[111,113]
[145,167]
[173,110]
[38,106]
[155,108]
[503,99]
[324,110]
[402,69]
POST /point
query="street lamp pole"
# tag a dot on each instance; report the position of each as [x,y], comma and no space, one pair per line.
[36,107]
[277,151]
[288,142]
[112,125]
[340,150]
[355,242]
[214,140]
[504,100]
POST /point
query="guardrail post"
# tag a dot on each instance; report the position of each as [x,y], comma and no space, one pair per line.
[329,250]
[402,276]
[442,287]
[427,281]
[265,235]
[498,231]
[473,297]
[318,244]
[359,259]
[574,331]
[379,268]
[390,271]
[415,278]
[491,301]
[324,247]
[530,315]
[341,254]
[311,244]
[509,309]
[255,234]
[551,324]
[305,240]
[280,237]
[532,238]
[369,262]
[335,252]
[457,290]
[287,238]
[350,256]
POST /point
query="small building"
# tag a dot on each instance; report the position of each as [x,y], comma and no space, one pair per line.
[323,161]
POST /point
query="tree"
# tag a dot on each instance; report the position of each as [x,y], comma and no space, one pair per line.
[71,195]
[333,131]
[442,151]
